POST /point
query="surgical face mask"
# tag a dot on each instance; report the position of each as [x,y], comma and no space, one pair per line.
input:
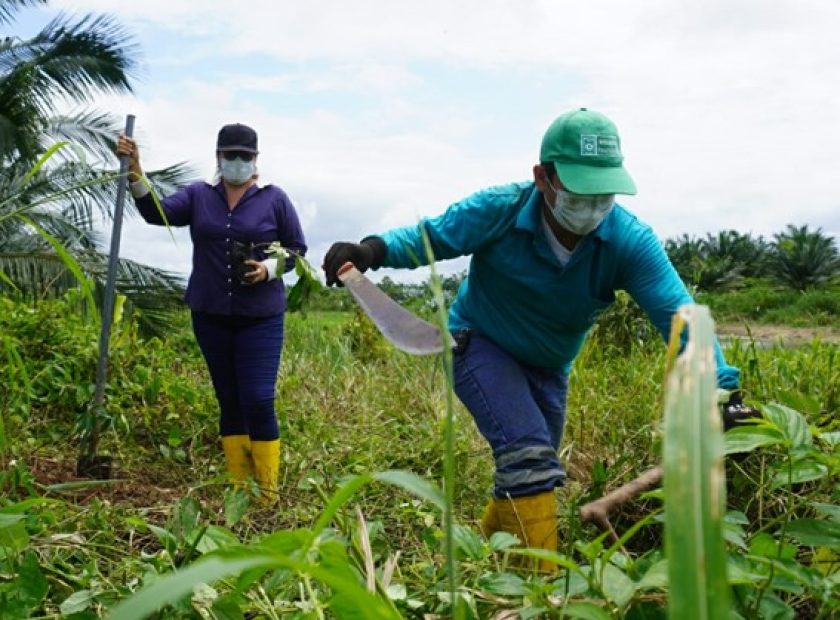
[580,213]
[236,172]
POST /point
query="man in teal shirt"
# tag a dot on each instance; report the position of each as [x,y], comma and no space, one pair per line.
[547,258]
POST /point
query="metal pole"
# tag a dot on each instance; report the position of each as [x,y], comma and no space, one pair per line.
[88,450]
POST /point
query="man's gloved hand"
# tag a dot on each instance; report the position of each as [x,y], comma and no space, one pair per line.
[369,253]
[735,412]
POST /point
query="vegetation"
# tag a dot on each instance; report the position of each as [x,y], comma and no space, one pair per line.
[52,193]
[345,536]
[798,258]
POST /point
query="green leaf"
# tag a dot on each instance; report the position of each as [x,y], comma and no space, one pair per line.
[801,471]
[413,484]
[32,586]
[504,584]
[832,439]
[548,555]
[218,565]
[76,602]
[14,537]
[585,611]
[655,577]
[832,511]
[790,422]
[617,586]
[72,265]
[227,609]
[500,541]
[216,537]
[694,482]
[43,160]
[236,505]
[815,533]
[468,541]
[748,438]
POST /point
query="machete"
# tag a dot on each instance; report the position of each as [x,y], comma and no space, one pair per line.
[404,330]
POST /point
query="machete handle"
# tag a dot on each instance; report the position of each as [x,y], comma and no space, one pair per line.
[345,268]
[598,511]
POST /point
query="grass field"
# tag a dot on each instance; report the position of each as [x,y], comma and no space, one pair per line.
[349,406]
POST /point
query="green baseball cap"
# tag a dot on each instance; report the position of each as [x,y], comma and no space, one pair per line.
[585,149]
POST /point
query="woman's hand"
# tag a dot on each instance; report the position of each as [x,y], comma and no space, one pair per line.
[259,274]
[127,146]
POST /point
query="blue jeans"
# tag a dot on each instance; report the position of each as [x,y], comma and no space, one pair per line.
[243,356]
[519,409]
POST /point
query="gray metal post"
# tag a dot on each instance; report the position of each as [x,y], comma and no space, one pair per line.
[89,450]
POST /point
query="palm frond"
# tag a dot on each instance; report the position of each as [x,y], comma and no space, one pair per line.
[8,8]
[95,133]
[78,59]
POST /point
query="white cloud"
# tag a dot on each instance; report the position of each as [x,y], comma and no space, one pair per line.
[372,114]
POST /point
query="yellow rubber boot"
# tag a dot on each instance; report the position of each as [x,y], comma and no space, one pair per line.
[490,520]
[266,456]
[533,520]
[237,449]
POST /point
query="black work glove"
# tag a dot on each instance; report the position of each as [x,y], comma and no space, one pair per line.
[369,253]
[735,412]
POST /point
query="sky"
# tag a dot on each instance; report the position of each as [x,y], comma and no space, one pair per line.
[373,114]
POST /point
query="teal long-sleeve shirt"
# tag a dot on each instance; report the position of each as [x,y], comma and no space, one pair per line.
[519,295]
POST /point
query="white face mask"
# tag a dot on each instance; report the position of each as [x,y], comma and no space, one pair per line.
[580,213]
[236,172]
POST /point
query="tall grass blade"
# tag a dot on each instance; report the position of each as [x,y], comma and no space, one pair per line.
[72,265]
[694,477]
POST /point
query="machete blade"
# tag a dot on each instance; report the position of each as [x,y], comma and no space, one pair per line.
[404,330]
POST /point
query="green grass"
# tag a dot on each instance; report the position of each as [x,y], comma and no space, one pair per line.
[348,405]
[763,303]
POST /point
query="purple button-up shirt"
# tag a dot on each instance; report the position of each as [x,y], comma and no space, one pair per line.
[263,214]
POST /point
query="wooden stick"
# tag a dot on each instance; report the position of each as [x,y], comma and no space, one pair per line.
[598,511]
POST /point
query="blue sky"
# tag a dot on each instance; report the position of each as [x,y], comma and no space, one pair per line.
[372,114]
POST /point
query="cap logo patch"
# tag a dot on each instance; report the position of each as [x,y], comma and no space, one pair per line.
[594,145]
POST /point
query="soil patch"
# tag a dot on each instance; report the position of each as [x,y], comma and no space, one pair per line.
[782,334]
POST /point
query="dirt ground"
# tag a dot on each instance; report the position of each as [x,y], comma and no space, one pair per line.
[770,334]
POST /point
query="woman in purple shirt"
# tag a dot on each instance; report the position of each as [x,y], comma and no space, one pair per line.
[236,300]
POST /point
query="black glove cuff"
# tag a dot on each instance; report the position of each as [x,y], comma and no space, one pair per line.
[378,248]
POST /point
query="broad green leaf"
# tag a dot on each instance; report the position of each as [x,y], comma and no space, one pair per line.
[790,422]
[32,586]
[14,537]
[801,471]
[218,565]
[226,609]
[468,541]
[216,538]
[413,484]
[695,501]
[236,505]
[504,584]
[617,586]
[832,439]
[76,602]
[655,577]
[551,556]
[748,438]
[815,533]
[832,511]
[585,611]
[500,541]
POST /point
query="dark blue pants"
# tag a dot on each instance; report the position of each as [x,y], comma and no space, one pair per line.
[243,356]
[519,409]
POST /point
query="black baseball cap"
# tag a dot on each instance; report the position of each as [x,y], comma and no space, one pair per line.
[237,137]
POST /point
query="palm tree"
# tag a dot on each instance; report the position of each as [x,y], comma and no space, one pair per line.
[57,200]
[803,259]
